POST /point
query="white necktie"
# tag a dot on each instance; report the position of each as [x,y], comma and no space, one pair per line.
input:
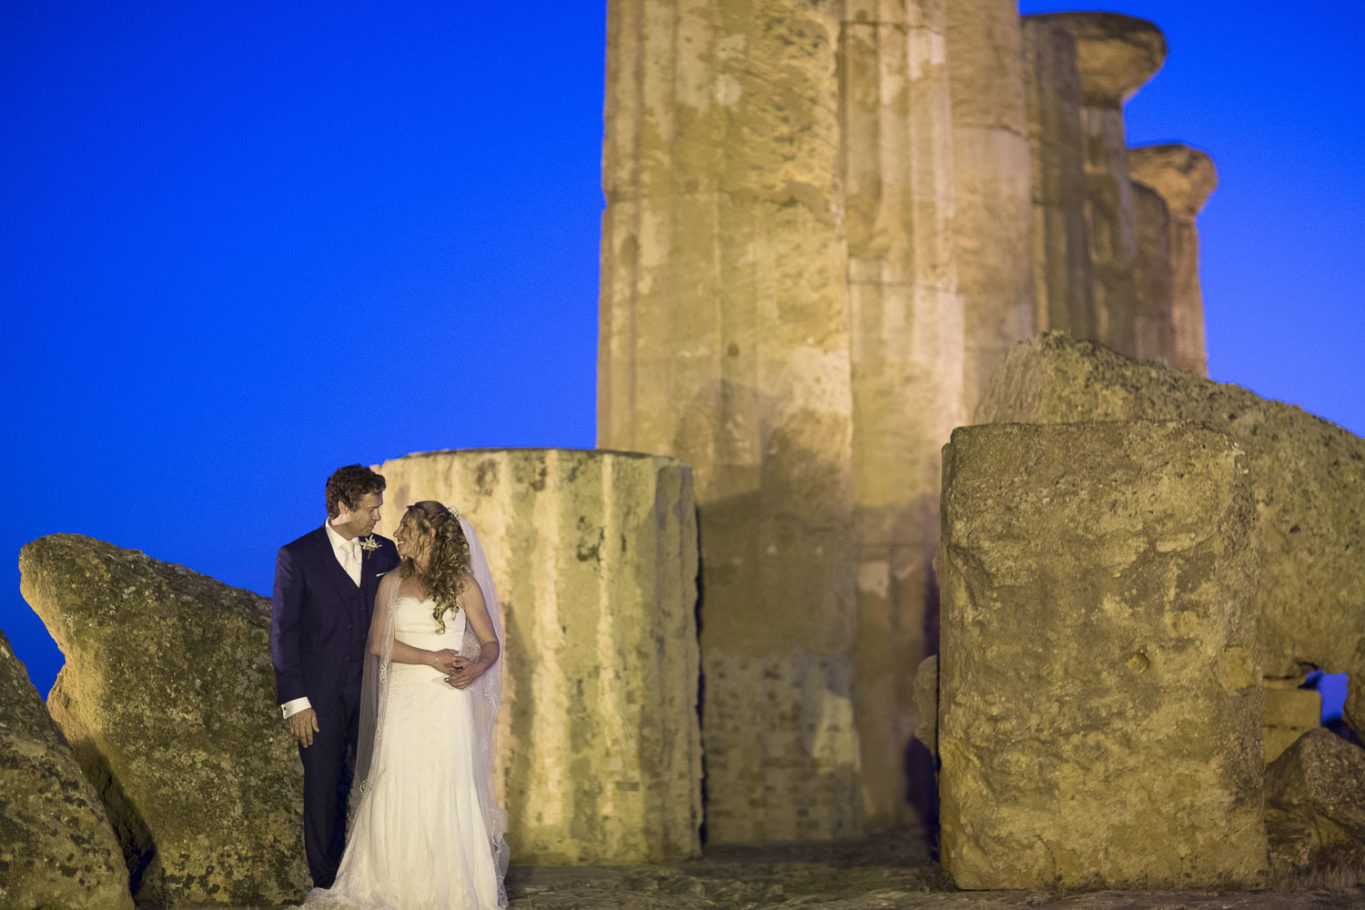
[350,560]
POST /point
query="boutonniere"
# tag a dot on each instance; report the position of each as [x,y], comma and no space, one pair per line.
[368,544]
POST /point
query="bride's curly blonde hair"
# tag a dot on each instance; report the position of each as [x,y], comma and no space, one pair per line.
[449,551]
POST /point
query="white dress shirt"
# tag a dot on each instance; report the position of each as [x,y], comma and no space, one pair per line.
[349,556]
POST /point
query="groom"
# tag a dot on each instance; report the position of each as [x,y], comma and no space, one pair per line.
[325,584]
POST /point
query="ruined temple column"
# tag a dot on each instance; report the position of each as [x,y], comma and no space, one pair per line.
[594,555]
[1115,56]
[1153,328]
[1064,286]
[1184,177]
[992,182]
[724,341]
[907,363]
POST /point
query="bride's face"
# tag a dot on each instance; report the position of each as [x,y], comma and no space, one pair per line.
[411,543]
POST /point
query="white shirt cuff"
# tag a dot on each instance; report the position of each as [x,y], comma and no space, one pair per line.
[290,708]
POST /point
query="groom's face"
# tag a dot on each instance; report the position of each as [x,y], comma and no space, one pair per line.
[361,520]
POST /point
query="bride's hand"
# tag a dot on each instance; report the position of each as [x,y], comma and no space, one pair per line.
[465,671]
[445,661]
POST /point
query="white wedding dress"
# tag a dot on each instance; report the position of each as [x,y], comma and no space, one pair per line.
[419,840]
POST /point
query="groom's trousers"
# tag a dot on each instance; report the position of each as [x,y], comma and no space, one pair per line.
[328,766]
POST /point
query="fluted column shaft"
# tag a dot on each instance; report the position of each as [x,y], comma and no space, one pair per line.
[724,341]
[1115,56]
[907,363]
[992,182]
[1154,329]
[1184,177]
[1064,285]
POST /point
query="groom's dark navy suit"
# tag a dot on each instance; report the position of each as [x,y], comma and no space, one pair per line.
[317,642]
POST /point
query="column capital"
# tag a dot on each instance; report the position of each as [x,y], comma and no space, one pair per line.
[1116,54]
[1182,174]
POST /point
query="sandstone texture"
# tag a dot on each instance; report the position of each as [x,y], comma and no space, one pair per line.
[992,183]
[595,558]
[1290,712]
[168,701]
[1315,791]
[826,224]
[725,342]
[57,848]
[907,361]
[1308,477]
[1183,177]
[1100,705]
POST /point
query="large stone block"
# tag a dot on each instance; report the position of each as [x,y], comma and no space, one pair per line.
[168,700]
[1308,477]
[57,848]
[595,558]
[1100,706]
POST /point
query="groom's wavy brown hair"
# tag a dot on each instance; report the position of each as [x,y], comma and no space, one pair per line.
[349,485]
[450,561]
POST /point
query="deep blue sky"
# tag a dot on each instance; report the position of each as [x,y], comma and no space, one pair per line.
[244,243]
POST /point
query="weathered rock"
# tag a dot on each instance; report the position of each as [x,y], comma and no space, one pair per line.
[1319,778]
[57,848]
[724,341]
[1183,177]
[1115,55]
[595,558]
[1100,707]
[907,363]
[168,700]
[1290,712]
[1307,474]
[1317,815]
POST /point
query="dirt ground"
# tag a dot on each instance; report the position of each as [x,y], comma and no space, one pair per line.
[890,872]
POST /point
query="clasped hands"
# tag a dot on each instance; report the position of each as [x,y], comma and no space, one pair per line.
[460,670]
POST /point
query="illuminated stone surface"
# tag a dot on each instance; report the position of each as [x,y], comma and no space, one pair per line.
[1290,712]
[992,182]
[57,848]
[1308,476]
[1099,702]
[724,341]
[595,558]
[907,362]
[168,700]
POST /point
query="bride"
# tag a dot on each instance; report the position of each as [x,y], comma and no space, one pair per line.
[427,832]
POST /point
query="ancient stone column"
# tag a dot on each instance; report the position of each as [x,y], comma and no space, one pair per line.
[907,366]
[1063,284]
[1184,177]
[1115,55]
[1153,328]
[724,341]
[992,182]
[595,558]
